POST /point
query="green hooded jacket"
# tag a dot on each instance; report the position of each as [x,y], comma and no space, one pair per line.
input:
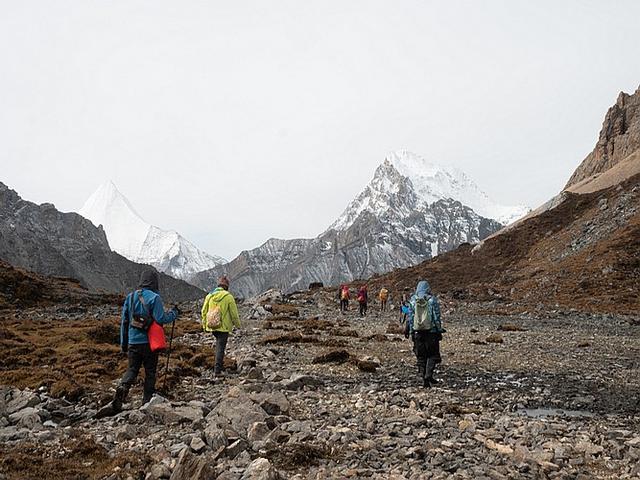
[228,310]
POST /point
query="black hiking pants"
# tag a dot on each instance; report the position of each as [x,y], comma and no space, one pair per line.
[221,345]
[363,309]
[139,355]
[344,305]
[427,349]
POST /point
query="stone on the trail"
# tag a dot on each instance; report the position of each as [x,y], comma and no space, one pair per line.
[467,425]
[192,467]
[297,381]
[165,413]
[634,442]
[588,448]
[17,400]
[26,418]
[498,447]
[215,437]
[238,414]
[246,363]
[275,403]
[257,432]
[158,472]
[197,445]
[260,469]
[236,448]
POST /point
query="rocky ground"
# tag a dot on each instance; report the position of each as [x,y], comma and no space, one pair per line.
[310,393]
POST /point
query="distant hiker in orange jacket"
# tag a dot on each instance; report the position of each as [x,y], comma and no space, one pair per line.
[383,296]
[344,298]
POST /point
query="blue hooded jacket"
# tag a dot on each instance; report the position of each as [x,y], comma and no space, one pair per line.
[132,304]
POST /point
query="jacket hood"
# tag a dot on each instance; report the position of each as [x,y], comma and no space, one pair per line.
[149,280]
[423,289]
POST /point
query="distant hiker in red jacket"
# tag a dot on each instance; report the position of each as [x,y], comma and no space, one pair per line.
[344,298]
[362,300]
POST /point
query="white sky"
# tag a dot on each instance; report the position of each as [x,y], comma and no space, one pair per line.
[236,121]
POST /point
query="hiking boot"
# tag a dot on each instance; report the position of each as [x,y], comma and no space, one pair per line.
[426,383]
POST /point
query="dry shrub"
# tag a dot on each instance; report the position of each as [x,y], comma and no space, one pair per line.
[333,356]
[494,338]
[510,327]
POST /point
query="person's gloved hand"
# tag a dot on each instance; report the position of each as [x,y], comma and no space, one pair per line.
[406,334]
[124,348]
[176,310]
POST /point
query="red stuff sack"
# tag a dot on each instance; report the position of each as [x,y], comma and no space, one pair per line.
[157,341]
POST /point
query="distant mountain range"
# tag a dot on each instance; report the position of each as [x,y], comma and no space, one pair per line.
[411,210]
[44,240]
[132,237]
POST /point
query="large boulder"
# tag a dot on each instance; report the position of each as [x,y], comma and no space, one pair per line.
[238,414]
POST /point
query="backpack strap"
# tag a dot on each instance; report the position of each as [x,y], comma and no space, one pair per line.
[144,304]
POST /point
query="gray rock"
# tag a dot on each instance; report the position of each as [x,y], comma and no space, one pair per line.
[238,414]
[21,400]
[236,448]
[275,403]
[260,469]
[158,472]
[197,445]
[298,381]
[257,432]
[215,437]
[192,467]
[165,413]
[26,418]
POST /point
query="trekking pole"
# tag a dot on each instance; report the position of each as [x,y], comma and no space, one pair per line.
[166,368]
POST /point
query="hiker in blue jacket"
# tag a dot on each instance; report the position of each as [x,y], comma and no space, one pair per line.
[139,305]
[424,325]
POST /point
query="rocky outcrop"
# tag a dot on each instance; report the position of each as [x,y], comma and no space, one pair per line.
[42,239]
[619,138]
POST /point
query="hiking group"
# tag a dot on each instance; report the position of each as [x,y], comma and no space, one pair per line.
[142,336]
[362,297]
[420,314]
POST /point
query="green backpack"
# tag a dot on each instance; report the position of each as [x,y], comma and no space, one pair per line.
[422,315]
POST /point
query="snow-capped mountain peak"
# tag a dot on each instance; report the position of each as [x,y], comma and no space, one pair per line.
[422,182]
[126,230]
[132,237]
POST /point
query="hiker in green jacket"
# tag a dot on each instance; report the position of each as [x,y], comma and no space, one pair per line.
[219,316]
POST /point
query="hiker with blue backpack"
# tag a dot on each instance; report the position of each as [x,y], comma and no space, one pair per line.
[424,326]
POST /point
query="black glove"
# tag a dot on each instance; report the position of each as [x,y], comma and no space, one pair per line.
[124,348]
[177,310]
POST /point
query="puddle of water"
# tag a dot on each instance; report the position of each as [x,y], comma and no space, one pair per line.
[554,412]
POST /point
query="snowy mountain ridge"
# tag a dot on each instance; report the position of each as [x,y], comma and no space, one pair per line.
[132,237]
[430,182]
[409,212]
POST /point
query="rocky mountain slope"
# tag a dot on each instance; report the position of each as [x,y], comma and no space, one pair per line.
[410,211]
[44,240]
[580,250]
[619,138]
[132,237]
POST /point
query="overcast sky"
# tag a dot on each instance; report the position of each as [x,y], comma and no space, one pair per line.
[236,121]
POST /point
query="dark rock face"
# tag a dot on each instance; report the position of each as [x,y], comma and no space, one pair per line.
[44,240]
[619,138]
